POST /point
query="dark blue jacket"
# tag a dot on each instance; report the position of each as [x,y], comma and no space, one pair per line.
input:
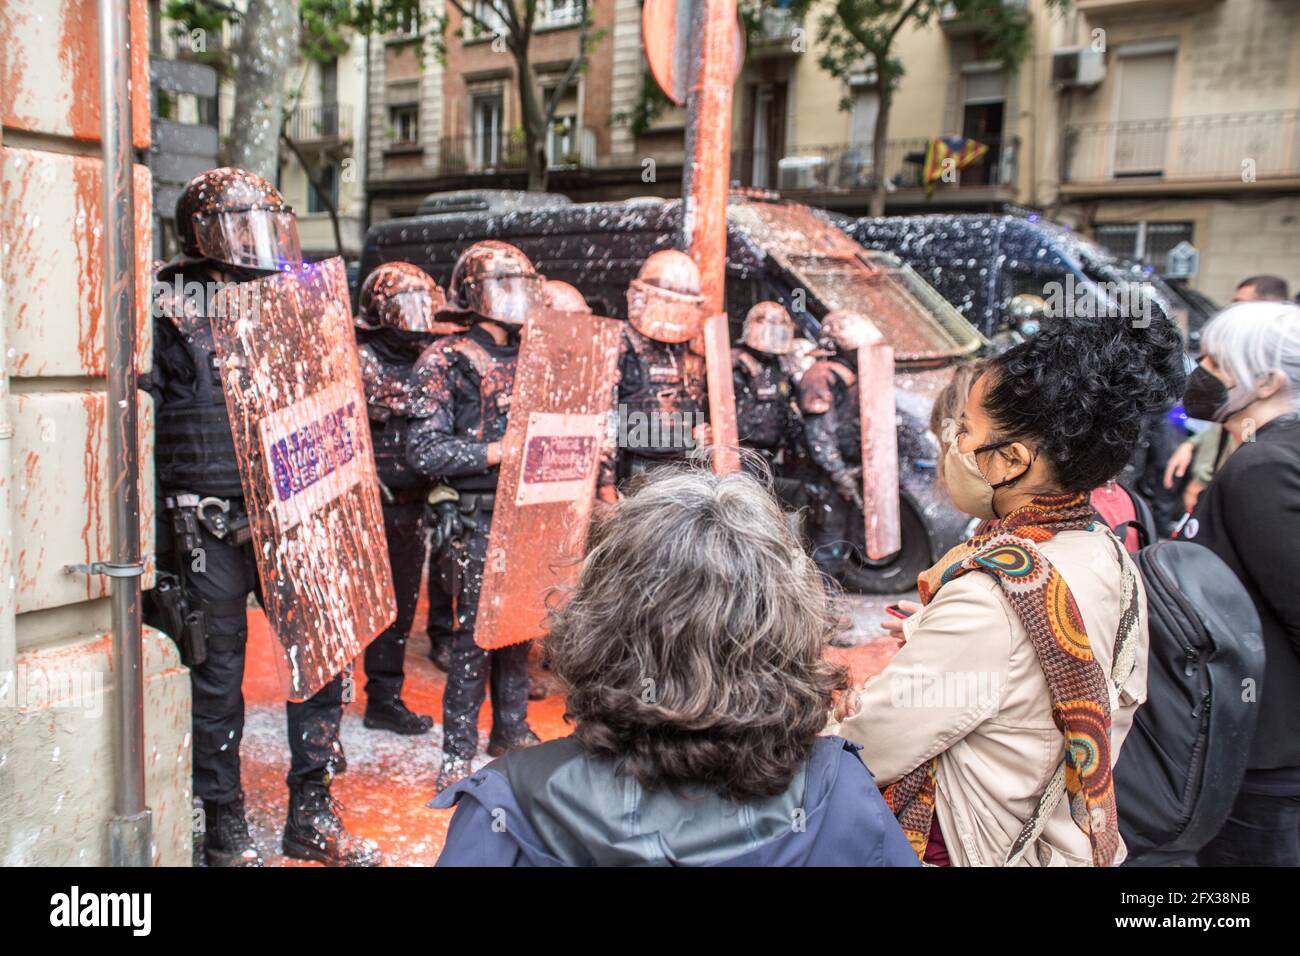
[555,805]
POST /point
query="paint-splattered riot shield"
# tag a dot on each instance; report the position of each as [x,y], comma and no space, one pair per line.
[559,419]
[293,389]
[722,396]
[879,433]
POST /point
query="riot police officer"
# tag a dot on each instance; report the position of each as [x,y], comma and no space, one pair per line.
[233,227]
[767,416]
[458,420]
[662,393]
[828,400]
[395,323]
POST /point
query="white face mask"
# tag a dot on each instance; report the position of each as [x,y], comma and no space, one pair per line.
[969,490]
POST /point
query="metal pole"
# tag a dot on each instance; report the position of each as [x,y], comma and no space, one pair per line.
[130,833]
[704,202]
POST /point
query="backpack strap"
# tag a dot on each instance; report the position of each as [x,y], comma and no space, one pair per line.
[1121,668]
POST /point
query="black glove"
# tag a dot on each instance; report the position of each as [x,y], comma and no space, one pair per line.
[446,524]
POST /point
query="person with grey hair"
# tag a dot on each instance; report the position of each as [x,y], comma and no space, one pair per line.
[1249,515]
[692,649]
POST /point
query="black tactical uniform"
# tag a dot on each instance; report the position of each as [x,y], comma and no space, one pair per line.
[461,403]
[767,418]
[197,481]
[662,398]
[387,357]
[828,399]
[233,227]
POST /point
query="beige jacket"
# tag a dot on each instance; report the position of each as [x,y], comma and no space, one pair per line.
[967,686]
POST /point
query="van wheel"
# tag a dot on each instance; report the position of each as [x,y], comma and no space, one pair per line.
[897,573]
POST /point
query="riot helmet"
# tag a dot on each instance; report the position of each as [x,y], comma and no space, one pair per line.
[399,295]
[497,281]
[235,218]
[846,331]
[664,301]
[768,328]
[563,297]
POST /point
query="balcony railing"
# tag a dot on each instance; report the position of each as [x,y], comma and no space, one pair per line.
[1233,146]
[315,123]
[850,167]
[501,153]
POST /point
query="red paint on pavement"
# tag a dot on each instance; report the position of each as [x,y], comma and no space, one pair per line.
[390,778]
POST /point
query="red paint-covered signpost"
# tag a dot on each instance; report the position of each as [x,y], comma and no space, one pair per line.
[294,394]
[879,436]
[695,49]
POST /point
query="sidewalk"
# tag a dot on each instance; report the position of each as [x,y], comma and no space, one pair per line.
[389,777]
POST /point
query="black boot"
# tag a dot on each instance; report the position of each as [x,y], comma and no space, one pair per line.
[313,830]
[440,653]
[394,715]
[517,741]
[225,835]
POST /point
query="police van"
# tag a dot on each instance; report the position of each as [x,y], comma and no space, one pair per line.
[777,251]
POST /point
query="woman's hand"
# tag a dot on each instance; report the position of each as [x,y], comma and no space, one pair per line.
[1192,493]
[847,703]
[1179,462]
[894,625]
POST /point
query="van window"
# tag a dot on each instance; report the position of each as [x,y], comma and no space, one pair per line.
[916,320]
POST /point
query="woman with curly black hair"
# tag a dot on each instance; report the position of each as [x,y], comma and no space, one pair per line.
[692,649]
[998,723]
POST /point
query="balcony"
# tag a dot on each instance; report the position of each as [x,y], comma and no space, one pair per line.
[955,24]
[776,34]
[1165,154]
[1099,10]
[485,156]
[320,123]
[848,169]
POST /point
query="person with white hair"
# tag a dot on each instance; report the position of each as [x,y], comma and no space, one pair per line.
[1249,381]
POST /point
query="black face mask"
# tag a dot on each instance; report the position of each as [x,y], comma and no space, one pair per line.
[1205,397]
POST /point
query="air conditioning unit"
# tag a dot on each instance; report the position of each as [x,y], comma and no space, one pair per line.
[1078,66]
[800,172]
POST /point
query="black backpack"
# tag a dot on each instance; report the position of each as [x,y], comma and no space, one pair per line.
[1182,763]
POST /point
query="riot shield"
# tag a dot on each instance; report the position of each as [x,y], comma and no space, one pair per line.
[559,418]
[879,436]
[722,397]
[293,389]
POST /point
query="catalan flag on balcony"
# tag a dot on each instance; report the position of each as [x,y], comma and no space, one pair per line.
[961,151]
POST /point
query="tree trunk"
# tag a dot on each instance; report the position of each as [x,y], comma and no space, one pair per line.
[325,197]
[534,123]
[270,39]
[879,139]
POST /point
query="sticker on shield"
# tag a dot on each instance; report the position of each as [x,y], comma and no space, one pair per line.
[293,388]
[561,454]
[560,409]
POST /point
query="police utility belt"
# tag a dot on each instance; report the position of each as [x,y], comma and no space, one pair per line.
[189,511]
[183,616]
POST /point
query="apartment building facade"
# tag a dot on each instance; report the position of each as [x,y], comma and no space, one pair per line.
[1146,124]
[451,123]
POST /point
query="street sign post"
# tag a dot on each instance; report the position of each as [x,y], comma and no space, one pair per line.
[696,49]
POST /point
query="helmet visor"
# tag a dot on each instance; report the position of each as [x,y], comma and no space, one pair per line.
[412,311]
[774,338]
[507,299]
[250,238]
[662,315]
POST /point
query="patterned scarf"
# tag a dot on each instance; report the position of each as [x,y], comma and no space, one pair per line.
[1006,550]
